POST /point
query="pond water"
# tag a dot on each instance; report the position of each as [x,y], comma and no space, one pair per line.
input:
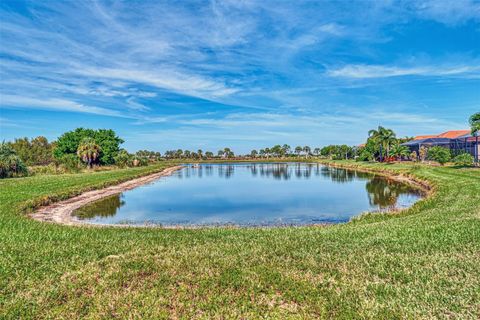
[252,194]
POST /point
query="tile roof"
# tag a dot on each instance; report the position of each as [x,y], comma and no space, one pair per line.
[452,134]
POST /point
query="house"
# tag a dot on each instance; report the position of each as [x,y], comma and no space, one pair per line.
[459,141]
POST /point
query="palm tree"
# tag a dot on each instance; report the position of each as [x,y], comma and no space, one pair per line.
[475,126]
[262,153]
[253,153]
[88,151]
[267,152]
[307,150]
[286,149]
[209,154]
[400,151]
[384,137]
[298,150]
[316,151]
[200,153]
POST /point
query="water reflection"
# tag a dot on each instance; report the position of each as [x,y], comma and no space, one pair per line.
[253,194]
[106,207]
[384,193]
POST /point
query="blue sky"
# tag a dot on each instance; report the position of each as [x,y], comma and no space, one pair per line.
[243,74]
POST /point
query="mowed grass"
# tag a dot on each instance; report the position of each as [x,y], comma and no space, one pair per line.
[418,264]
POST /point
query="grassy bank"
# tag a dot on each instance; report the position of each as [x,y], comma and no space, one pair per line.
[421,263]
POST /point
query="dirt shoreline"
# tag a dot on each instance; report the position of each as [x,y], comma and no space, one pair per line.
[61,212]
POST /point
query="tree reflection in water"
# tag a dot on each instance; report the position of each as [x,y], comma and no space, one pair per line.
[106,207]
[384,193]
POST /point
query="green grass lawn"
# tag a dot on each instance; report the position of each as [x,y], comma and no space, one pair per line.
[421,263]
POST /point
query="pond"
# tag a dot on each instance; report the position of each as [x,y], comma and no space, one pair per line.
[252,194]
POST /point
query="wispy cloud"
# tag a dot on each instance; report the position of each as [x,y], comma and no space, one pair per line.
[378,71]
[11,101]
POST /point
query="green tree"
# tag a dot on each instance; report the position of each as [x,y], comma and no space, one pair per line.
[253,153]
[475,128]
[88,151]
[37,151]
[286,149]
[123,158]
[209,154]
[10,164]
[400,151]
[298,150]
[384,138]
[439,154]
[107,140]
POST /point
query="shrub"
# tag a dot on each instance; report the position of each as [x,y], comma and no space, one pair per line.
[365,156]
[464,159]
[70,162]
[414,156]
[439,154]
[123,158]
[10,164]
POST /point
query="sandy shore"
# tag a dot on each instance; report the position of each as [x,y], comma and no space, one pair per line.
[61,212]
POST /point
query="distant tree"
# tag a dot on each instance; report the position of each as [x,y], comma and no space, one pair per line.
[286,149]
[262,153]
[221,153]
[10,164]
[267,152]
[298,150]
[209,154]
[37,151]
[307,150]
[439,154]
[107,140]
[200,153]
[316,151]
[253,153]
[187,154]
[179,154]
[88,151]
[123,158]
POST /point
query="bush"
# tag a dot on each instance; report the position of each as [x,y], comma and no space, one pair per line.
[123,158]
[70,162]
[365,156]
[10,164]
[439,154]
[464,159]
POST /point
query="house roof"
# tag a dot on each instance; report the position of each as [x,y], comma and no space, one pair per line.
[424,137]
[453,134]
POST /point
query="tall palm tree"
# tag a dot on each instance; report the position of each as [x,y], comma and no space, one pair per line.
[475,126]
[384,137]
[88,151]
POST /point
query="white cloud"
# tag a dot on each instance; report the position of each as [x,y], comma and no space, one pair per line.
[12,101]
[379,71]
